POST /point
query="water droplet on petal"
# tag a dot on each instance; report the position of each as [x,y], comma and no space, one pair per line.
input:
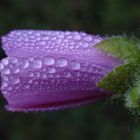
[5,61]
[15,70]
[31,74]
[42,43]
[15,80]
[38,74]
[1,66]
[61,36]
[89,69]
[36,83]
[44,76]
[61,62]
[67,32]
[4,92]
[24,64]
[75,65]
[88,38]
[85,45]
[77,74]
[9,88]
[77,37]
[4,84]
[57,75]
[67,74]
[37,64]
[58,41]
[30,81]
[45,38]
[51,70]
[17,88]
[49,61]
[50,76]
[5,78]
[6,71]
[14,60]
[26,86]
[31,59]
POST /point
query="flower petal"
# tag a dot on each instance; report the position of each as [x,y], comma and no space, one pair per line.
[48,70]
[22,43]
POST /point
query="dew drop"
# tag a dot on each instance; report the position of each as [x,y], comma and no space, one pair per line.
[85,45]
[71,47]
[17,88]
[93,77]
[24,64]
[75,65]
[67,32]
[36,83]
[14,60]
[51,70]
[50,76]
[30,81]
[65,41]
[67,74]
[89,69]
[58,41]
[15,80]
[31,59]
[15,70]
[4,84]
[77,79]
[37,64]
[1,66]
[31,74]
[77,74]
[45,38]
[26,86]
[57,75]
[5,61]
[5,78]
[88,38]
[49,61]
[61,62]
[44,76]
[6,71]
[42,43]
[9,88]
[61,36]
[77,37]
[4,92]
[83,33]
[38,74]
[83,68]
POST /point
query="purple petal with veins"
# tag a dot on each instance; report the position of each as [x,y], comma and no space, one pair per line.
[50,70]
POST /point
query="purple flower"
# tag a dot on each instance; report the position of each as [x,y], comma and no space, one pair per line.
[49,70]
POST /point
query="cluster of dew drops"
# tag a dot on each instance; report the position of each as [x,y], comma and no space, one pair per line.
[13,69]
[47,67]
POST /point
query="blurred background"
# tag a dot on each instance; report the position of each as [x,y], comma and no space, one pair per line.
[97,121]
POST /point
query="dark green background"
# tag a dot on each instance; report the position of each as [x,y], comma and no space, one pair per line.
[97,121]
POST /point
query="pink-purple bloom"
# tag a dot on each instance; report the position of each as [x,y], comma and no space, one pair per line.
[50,70]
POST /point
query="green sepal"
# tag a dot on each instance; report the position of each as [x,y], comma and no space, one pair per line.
[121,47]
[132,97]
[120,79]
[124,79]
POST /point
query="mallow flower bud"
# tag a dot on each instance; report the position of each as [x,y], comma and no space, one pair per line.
[51,70]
